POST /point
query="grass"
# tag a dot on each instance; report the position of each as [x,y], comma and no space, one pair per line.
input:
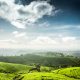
[12,68]
[9,71]
[4,76]
[45,76]
[73,72]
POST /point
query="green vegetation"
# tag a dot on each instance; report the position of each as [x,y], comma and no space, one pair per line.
[45,76]
[49,59]
[12,68]
[70,72]
[54,66]
[10,71]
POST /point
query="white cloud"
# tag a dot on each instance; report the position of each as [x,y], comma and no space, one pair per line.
[18,25]
[6,9]
[10,41]
[61,43]
[1,30]
[41,40]
[66,39]
[15,32]
[19,34]
[20,15]
[20,37]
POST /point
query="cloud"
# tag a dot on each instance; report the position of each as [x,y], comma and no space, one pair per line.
[66,39]
[20,16]
[6,41]
[18,25]
[17,40]
[10,43]
[19,35]
[42,42]
[1,30]
[61,43]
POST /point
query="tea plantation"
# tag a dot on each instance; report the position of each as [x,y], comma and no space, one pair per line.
[10,71]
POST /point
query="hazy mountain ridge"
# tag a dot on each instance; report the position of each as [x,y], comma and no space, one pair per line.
[17,52]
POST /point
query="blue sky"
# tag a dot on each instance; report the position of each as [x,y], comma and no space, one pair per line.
[40,24]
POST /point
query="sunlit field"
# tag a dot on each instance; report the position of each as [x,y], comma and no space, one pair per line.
[9,71]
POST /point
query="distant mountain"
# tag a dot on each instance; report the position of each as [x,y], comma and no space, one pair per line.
[72,53]
[50,54]
[76,53]
[17,52]
[12,52]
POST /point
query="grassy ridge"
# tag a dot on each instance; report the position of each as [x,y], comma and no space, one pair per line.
[45,76]
[4,76]
[73,72]
[12,68]
[9,71]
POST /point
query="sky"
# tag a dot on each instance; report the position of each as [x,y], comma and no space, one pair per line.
[40,24]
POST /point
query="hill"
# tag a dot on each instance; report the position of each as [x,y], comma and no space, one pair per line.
[10,71]
[51,61]
[73,72]
[12,68]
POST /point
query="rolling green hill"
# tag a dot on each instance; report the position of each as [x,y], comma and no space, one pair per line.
[10,71]
[12,68]
[73,72]
[29,59]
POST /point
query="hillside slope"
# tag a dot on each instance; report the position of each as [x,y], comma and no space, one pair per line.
[29,59]
[73,72]
[10,71]
[12,68]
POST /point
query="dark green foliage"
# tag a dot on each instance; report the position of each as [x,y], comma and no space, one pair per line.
[58,61]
